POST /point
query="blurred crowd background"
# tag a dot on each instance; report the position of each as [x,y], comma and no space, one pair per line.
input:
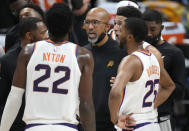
[176,31]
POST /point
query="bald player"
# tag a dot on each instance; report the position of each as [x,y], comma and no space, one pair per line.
[107,56]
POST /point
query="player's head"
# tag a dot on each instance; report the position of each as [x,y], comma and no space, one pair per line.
[59,19]
[123,3]
[124,13]
[154,21]
[96,24]
[15,5]
[32,29]
[133,30]
[31,10]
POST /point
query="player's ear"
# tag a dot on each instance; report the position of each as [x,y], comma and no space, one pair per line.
[28,36]
[107,28]
[130,37]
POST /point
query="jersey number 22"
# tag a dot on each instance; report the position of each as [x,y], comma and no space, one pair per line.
[47,74]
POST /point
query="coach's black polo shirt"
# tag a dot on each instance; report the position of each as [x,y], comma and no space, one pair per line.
[8,66]
[106,61]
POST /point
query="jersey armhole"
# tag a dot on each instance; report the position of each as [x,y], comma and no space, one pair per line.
[76,50]
[34,47]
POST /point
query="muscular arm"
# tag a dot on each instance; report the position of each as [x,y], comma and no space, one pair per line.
[166,84]
[126,72]
[19,79]
[86,108]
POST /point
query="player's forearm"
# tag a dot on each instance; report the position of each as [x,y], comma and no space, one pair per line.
[114,104]
[87,116]
[12,107]
[163,95]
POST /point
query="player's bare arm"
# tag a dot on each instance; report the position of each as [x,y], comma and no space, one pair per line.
[86,108]
[19,79]
[126,72]
[167,85]
[14,99]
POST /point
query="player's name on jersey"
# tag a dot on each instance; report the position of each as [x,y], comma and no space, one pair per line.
[53,57]
[153,70]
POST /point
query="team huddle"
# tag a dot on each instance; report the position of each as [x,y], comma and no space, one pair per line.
[56,76]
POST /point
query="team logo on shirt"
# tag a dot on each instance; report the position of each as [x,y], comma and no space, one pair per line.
[110,63]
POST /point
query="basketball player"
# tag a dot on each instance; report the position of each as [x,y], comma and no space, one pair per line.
[57,77]
[137,80]
[127,12]
[122,14]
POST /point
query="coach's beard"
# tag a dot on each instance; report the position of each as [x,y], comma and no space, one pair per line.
[97,39]
[93,40]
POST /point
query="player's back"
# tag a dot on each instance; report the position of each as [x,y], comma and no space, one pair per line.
[139,96]
[53,77]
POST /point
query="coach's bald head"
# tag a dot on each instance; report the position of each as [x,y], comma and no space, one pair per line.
[96,24]
[100,13]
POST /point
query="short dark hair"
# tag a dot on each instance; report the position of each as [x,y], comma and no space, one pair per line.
[152,15]
[28,24]
[34,7]
[59,19]
[129,11]
[137,27]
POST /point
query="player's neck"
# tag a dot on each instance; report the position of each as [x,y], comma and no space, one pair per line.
[24,43]
[59,39]
[133,48]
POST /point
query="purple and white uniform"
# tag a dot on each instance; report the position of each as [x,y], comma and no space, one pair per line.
[138,96]
[53,77]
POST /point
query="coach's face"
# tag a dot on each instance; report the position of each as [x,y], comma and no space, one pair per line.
[96,25]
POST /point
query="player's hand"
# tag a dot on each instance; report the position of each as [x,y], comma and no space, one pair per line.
[112,81]
[125,122]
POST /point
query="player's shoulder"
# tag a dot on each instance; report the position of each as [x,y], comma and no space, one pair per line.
[84,57]
[84,52]
[132,58]
[154,51]
[27,51]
